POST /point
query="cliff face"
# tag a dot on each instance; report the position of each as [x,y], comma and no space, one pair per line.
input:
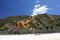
[30,24]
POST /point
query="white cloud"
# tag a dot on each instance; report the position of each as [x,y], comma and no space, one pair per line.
[37,1]
[37,6]
[39,9]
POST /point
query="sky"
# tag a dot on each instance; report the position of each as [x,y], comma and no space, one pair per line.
[28,7]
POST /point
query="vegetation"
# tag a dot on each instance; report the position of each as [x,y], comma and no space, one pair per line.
[45,24]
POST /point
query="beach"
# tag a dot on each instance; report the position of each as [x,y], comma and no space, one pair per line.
[49,36]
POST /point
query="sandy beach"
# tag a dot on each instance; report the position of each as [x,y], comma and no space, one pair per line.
[51,36]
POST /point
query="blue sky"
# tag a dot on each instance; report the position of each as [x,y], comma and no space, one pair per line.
[25,7]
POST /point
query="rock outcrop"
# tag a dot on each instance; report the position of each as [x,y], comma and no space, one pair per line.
[26,23]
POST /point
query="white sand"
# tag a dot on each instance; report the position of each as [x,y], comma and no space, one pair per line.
[52,36]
